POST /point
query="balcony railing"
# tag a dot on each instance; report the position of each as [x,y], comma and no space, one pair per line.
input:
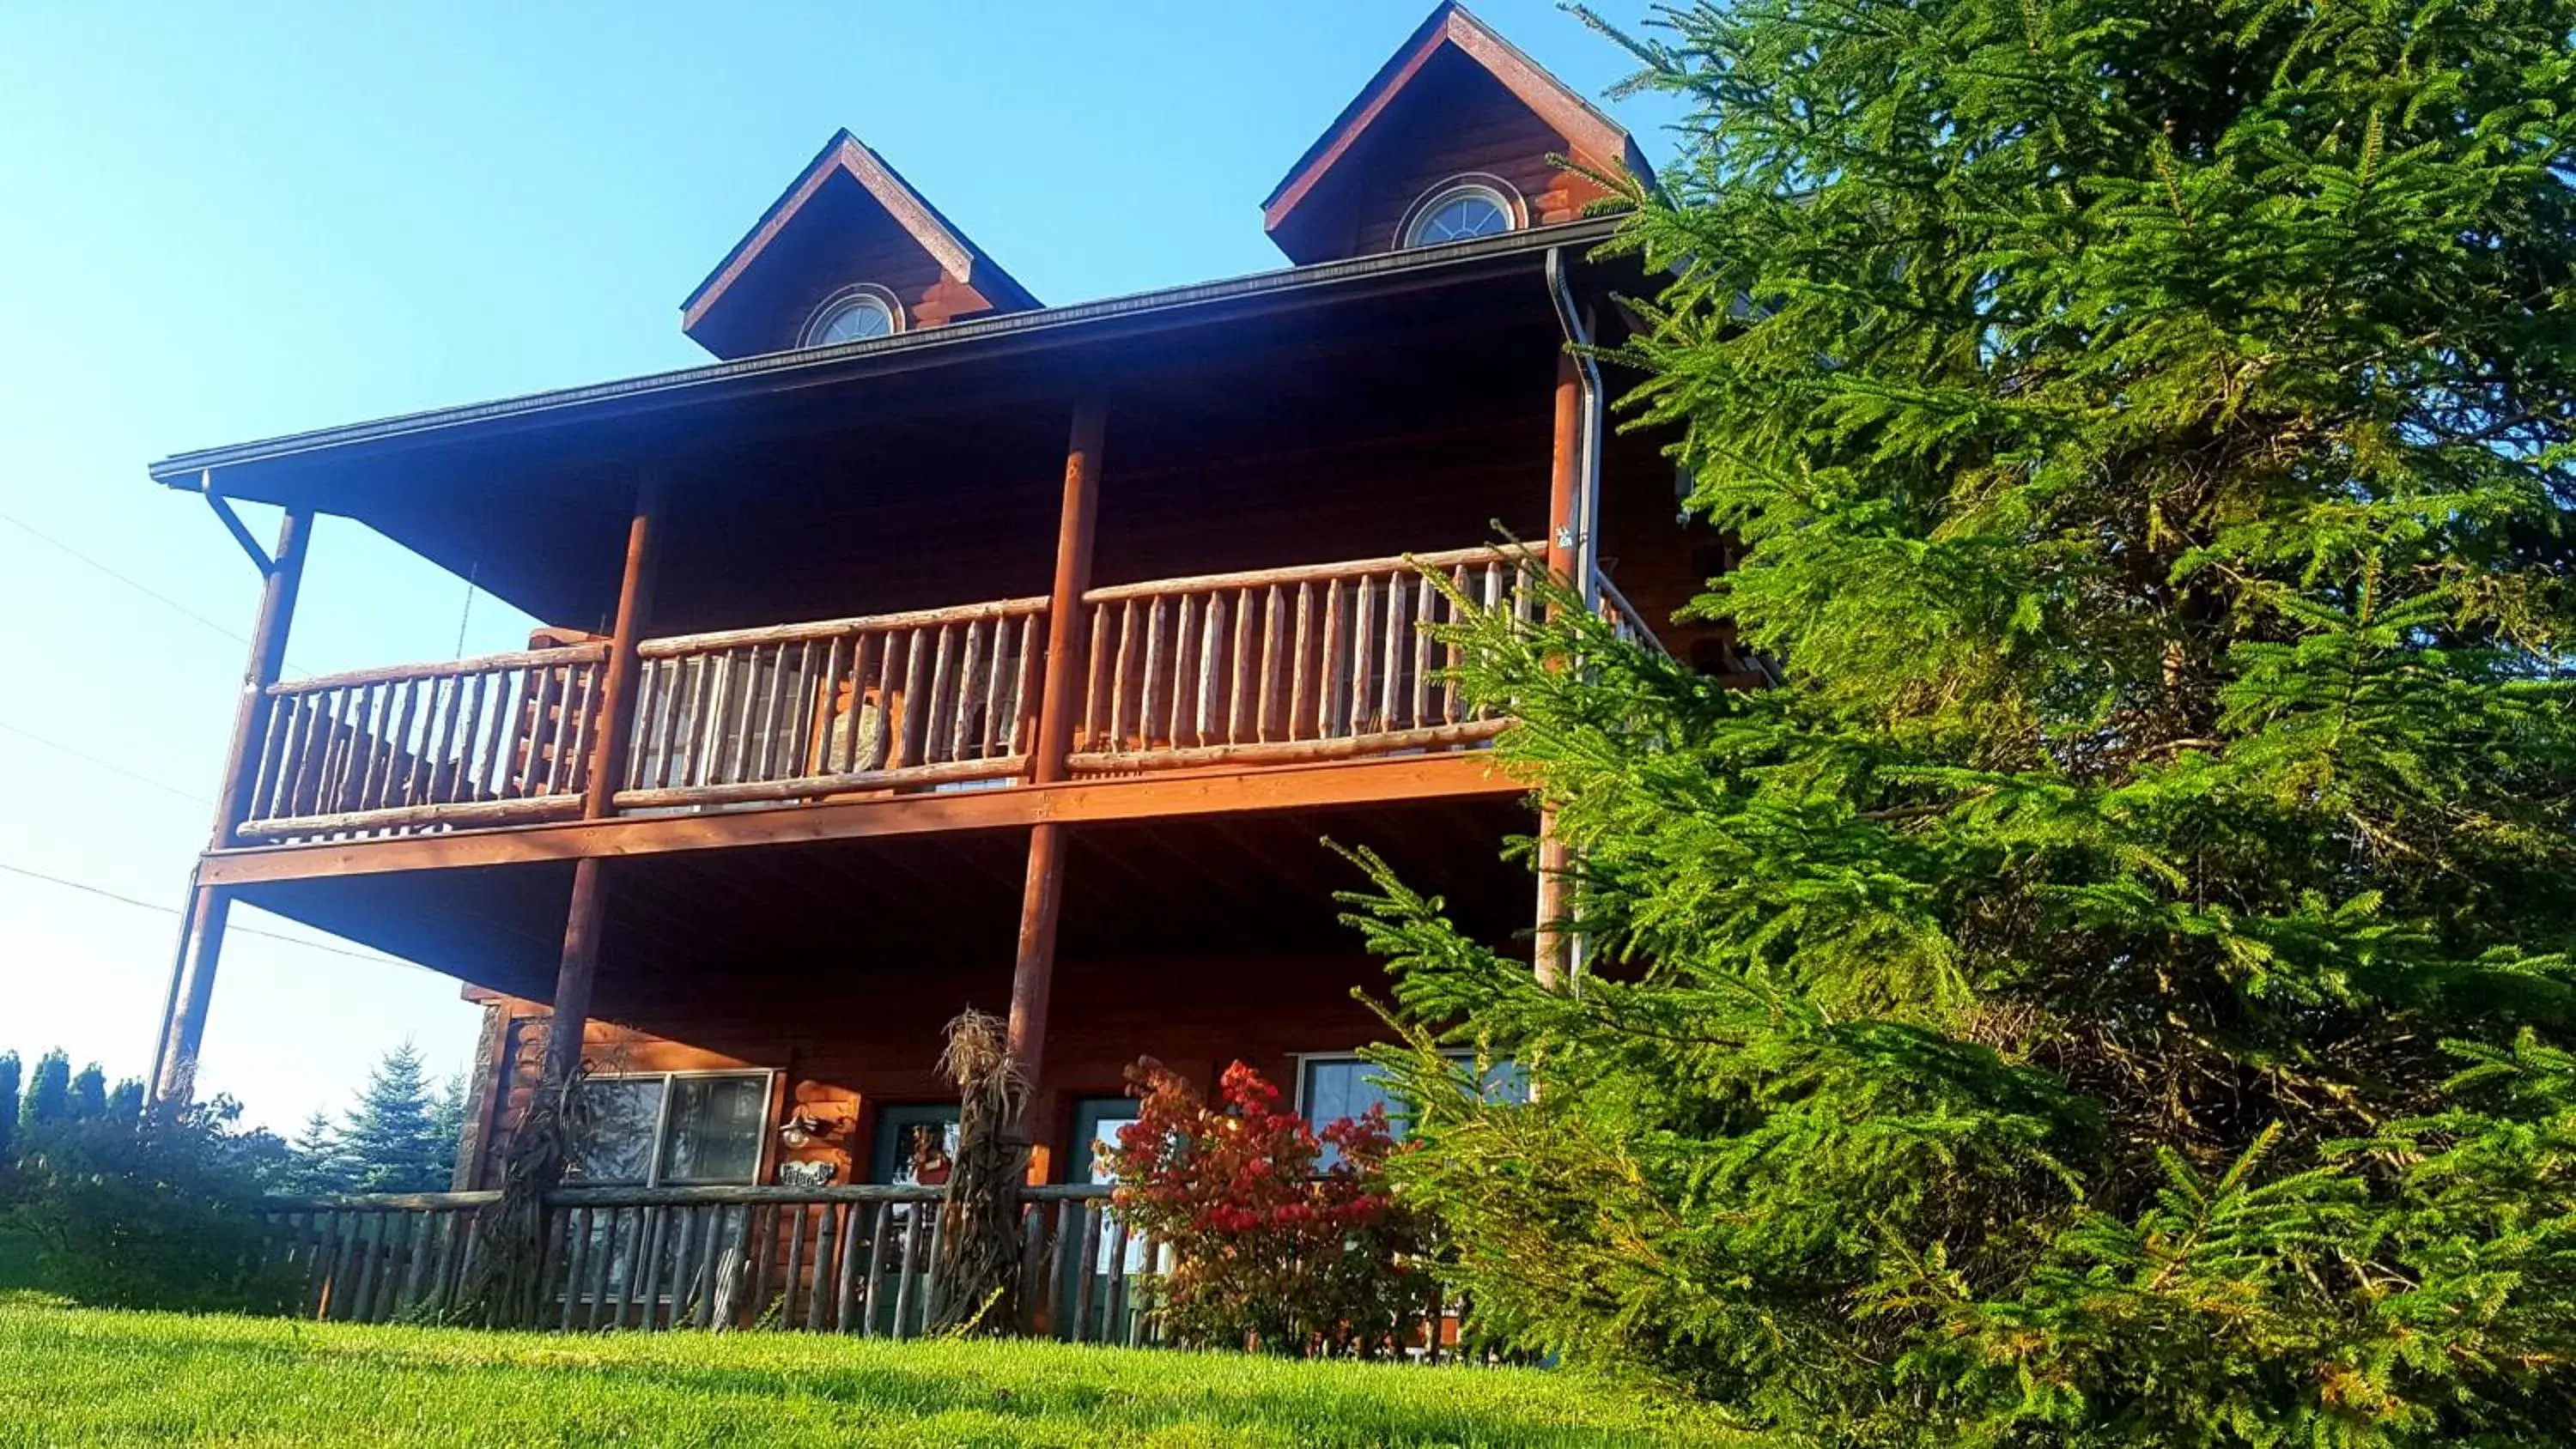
[1269,667]
[808,710]
[1283,664]
[500,740]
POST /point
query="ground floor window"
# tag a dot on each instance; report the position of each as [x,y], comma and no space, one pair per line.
[671,1128]
[1332,1086]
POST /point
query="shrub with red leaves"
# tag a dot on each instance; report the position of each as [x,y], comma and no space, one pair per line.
[1271,1249]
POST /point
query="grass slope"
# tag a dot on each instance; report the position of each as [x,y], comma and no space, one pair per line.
[76,1376]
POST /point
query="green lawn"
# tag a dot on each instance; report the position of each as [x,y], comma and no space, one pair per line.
[76,1376]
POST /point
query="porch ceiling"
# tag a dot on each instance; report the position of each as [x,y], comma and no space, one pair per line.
[765,918]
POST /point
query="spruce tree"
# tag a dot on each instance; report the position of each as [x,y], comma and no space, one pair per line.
[2117,991]
[9,1073]
[317,1164]
[125,1103]
[49,1087]
[87,1098]
[393,1140]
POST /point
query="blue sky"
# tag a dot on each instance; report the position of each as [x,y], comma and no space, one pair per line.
[220,223]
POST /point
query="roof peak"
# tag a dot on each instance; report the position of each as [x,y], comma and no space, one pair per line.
[846,155]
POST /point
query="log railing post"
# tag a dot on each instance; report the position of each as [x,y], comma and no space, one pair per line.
[577,968]
[1033,972]
[201,944]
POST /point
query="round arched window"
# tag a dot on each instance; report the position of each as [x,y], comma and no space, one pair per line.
[853,314]
[1460,210]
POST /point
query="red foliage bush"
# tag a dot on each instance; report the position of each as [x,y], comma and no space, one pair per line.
[1271,1249]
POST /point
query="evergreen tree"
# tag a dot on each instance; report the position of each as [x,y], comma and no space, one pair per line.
[9,1071]
[87,1099]
[2117,992]
[49,1088]
[317,1164]
[393,1139]
[125,1104]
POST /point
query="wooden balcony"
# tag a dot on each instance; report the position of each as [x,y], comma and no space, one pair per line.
[1239,671]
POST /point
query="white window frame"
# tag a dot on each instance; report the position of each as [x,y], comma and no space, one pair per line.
[662,1119]
[825,311]
[1515,210]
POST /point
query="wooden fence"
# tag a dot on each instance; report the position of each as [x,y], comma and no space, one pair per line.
[503,739]
[855,1260]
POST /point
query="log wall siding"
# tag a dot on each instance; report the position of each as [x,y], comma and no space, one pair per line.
[816,709]
[1285,664]
[501,739]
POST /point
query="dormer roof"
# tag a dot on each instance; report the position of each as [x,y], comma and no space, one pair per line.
[1456,98]
[848,220]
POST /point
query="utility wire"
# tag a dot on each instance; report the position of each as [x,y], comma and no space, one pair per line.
[32,531]
[125,900]
[110,766]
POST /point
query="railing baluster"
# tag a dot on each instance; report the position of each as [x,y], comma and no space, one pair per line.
[1363,649]
[1300,679]
[880,1227]
[1425,600]
[1328,677]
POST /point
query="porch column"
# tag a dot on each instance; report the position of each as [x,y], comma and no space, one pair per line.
[579,964]
[201,941]
[1564,510]
[1033,974]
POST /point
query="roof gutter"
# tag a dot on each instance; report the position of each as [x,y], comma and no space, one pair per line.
[1014,331]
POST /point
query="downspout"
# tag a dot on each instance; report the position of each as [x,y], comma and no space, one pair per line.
[1587,493]
[1586,542]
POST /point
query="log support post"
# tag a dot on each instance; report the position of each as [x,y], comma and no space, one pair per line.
[578,968]
[1550,958]
[201,936]
[1041,901]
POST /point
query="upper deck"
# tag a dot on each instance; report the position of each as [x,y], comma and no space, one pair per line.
[859,553]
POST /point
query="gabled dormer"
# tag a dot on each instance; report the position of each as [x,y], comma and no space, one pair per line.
[1450,139]
[849,252]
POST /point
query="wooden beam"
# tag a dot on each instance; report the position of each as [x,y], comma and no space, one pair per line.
[1548,955]
[577,969]
[1033,974]
[1042,892]
[575,972]
[1463,774]
[192,983]
[1077,523]
[617,693]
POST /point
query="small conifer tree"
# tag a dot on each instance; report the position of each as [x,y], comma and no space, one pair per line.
[9,1077]
[394,1139]
[87,1099]
[49,1089]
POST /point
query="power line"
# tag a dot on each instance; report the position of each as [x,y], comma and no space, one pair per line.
[131,582]
[144,905]
[110,766]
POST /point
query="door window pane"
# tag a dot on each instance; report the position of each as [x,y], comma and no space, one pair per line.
[915,1145]
[713,1130]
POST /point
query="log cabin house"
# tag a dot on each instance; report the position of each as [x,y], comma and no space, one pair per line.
[933,646]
